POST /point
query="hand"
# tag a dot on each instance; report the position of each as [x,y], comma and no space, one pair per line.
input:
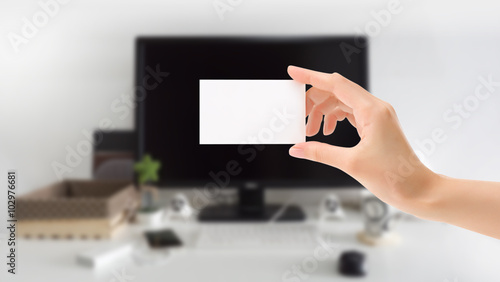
[383,161]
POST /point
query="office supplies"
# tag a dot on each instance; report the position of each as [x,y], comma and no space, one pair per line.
[352,263]
[105,255]
[168,72]
[156,247]
[236,111]
[432,243]
[162,238]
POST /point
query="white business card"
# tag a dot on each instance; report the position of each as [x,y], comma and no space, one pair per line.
[250,111]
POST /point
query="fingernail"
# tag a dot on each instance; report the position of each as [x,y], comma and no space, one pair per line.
[297,151]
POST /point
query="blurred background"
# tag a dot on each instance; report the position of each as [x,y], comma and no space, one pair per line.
[426,60]
[63,81]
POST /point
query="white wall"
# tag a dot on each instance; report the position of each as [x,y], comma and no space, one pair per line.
[63,81]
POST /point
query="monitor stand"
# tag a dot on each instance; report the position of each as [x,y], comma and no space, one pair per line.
[252,208]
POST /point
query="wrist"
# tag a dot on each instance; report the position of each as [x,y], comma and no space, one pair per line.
[420,194]
[427,203]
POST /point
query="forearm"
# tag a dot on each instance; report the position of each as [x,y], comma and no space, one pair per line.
[471,204]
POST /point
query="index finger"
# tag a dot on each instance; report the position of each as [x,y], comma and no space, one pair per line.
[348,92]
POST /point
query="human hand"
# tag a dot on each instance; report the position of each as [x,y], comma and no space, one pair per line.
[383,161]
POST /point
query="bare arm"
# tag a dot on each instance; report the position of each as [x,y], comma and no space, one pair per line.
[471,204]
[384,162]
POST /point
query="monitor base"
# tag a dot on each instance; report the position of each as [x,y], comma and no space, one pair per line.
[233,213]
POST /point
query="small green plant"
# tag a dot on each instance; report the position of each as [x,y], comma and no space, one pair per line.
[147,173]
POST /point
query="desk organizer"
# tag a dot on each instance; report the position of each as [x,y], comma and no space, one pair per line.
[76,208]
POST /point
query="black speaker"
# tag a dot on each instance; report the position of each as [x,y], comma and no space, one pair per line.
[114,155]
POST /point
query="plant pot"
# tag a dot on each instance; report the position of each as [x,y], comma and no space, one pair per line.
[151,217]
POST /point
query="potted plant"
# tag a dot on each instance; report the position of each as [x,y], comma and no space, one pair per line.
[149,212]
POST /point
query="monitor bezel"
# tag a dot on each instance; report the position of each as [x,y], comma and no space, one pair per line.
[141,41]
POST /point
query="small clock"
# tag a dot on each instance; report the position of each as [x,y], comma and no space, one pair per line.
[374,209]
[377,218]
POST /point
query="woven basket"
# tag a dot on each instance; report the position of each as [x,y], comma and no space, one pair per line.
[81,208]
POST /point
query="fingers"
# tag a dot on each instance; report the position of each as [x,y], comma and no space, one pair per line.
[329,124]
[332,104]
[318,96]
[314,123]
[338,157]
[332,110]
[309,106]
[348,92]
[333,96]
[351,119]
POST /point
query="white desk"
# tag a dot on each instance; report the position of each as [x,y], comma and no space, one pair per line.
[428,252]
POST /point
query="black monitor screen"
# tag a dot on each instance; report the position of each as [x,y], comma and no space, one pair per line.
[167,116]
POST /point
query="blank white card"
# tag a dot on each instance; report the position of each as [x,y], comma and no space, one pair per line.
[251,111]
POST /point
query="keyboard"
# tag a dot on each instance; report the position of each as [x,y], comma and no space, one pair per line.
[257,236]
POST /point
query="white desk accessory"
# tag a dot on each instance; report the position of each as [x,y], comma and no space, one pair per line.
[106,255]
[377,216]
[330,208]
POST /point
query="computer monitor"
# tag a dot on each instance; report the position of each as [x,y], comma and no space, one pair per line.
[167,116]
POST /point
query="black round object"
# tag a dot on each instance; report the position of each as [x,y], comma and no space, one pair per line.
[352,263]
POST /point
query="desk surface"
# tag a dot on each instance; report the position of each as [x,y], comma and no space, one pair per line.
[428,251]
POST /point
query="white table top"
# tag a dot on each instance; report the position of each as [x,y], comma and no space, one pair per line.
[428,251]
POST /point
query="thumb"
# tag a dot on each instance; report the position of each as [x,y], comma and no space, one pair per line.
[322,153]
